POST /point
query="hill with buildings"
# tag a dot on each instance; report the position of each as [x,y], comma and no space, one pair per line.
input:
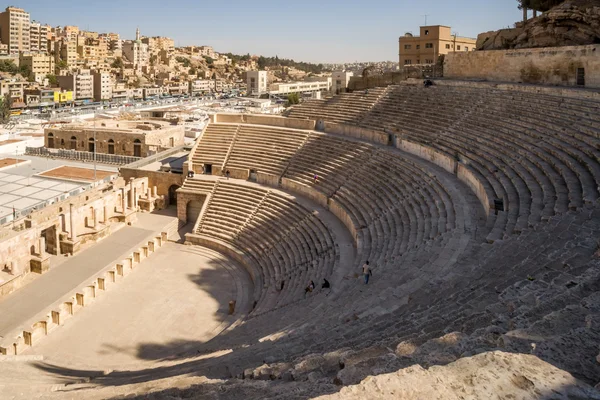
[571,23]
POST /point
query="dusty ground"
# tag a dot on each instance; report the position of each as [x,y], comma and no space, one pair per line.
[76,173]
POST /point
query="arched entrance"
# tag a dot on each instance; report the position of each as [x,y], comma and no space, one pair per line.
[137,148]
[193,211]
[111,146]
[173,194]
[50,141]
[73,143]
[91,145]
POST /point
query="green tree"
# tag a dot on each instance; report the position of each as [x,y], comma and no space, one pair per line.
[185,61]
[5,106]
[292,99]
[52,79]
[118,63]
[192,71]
[8,66]
[209,60]
[62,64]
[538,5]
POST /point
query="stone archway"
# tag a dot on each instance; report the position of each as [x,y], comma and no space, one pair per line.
[173,194]
[193,211]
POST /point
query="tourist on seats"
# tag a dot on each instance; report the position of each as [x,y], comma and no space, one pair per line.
[367,273]
[316,179]
[309,288]
[227,174]
[325,284]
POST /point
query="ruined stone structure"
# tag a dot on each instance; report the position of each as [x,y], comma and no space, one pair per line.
[121,137]
[64,226]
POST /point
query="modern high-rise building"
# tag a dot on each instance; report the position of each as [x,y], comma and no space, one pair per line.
[433,41]
[15,25]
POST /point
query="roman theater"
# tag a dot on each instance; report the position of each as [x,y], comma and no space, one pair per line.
[185,275]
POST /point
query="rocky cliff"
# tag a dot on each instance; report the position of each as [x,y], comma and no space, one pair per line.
[571,23]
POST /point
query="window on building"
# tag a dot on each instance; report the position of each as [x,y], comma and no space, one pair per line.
[447,46]
[407,47]
[407,62]
[429,45]
[427,31]
[418,46]
[457,47]
[428,61]
[466,48]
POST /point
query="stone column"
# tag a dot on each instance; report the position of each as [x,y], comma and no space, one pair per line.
[131,194]
[42,245]
[95,215]
[123,200]
[57,240]
[72,233]
[154,192]
[149,193]
[105,210]
[135,198]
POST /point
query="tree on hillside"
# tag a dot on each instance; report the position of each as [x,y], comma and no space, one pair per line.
[5,106]
[62,64]
[52,79]
[8,66]
[118,63]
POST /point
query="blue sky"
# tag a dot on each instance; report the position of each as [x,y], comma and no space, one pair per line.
[315,31]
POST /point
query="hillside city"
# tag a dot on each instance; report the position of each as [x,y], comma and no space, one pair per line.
[44,67]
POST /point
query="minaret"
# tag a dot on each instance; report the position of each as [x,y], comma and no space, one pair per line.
[137,33]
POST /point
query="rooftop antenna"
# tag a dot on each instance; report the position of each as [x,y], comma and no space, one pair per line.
[425,15]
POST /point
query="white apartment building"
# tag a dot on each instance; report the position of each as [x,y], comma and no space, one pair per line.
[201,86]
[256,82]
[301,87]
[38,36]
[39,64]
[103,86]
[340,80]
[15,30]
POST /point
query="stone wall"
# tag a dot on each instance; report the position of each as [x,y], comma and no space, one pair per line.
[123,141]
[162,180]
[547,65]
[282,122]
[369,135]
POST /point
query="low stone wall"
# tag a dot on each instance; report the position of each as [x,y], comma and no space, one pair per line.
[546,65]
[267,179]
[65,309]
[183,198]
[369,135]
[12,285]
[162,180]
[259,119]
[429,154]
[305,191]
[465,175]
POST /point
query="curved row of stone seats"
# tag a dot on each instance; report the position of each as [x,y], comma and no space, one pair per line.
[539,154]
[215,143]
[287,243]
[343,108]
[270,149]
[534,293]
[198,185]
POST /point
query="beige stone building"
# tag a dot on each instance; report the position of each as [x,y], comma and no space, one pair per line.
[256,82]
[432,42]
[121,137]
[38,64]
[68,52]
[81,83]
[103,86]
[15,26]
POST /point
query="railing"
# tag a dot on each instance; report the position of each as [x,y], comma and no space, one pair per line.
[81,155]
